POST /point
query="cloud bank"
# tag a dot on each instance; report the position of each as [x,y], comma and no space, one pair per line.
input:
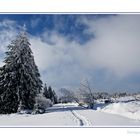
[116,46]
[109,60]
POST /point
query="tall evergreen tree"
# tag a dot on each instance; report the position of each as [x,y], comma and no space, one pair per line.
[54,97]
[20,79]
[49,94]
[45,91]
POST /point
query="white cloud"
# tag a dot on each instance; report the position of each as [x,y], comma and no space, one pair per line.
[115,48]
[8,31]
[59,61]
[47,55]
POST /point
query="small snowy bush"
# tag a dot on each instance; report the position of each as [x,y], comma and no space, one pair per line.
[41,104]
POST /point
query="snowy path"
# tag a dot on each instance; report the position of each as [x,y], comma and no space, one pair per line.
[66,115]
[82,121]
[71,112]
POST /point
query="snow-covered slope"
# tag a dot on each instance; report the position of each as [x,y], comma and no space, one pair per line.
[126,98]
[100,119]
[67,115]
[56,116]
[126,109]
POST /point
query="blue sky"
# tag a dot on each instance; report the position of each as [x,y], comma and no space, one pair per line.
[69,48]
[63,24]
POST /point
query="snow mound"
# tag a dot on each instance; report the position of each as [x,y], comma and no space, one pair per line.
[130,109]
[124,99]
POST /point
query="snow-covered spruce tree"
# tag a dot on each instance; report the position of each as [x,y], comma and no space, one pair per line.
[54,97]
[8,96]
[50,94]
[20,79]
[45,91]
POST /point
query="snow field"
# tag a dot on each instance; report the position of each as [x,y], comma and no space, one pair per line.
[79,119]
[83,121]
[99,118]
[127,109]
[72,115]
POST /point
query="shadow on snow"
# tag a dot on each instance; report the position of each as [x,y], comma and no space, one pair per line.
[61,108]
[64,108]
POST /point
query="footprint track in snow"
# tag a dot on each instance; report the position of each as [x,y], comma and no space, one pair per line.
[81,120]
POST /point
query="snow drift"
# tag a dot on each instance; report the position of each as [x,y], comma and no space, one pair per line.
[127,109]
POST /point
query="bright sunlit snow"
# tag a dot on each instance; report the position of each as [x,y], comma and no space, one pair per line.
[67,115]
[130,109]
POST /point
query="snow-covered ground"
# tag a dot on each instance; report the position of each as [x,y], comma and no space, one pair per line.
[67,115]
[126,98]
[127,109]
